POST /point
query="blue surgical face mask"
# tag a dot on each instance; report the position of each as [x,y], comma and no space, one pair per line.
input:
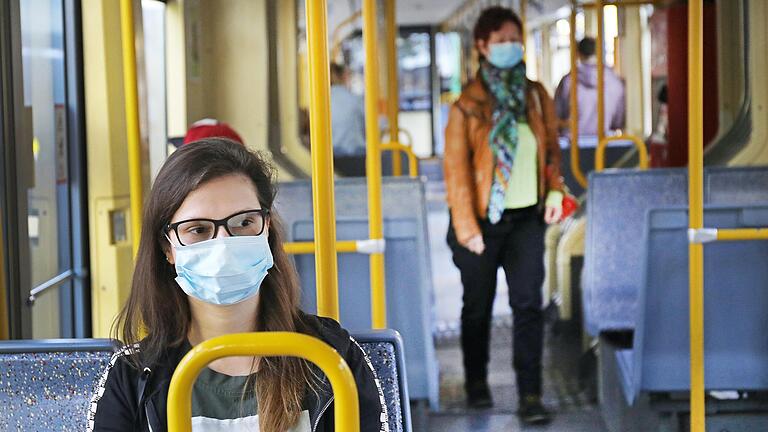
[505,55]
[224,270]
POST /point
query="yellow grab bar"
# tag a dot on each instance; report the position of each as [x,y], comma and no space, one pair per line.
[345,246]
[524,21]
[600,74]
[393,96]
[742,234]
[573,112]
[642,152]
[130,87]
[326,267]
[336,40]
[621,3]
[706,235]
[413,161]
[346,409]
[373,163]
[696,210]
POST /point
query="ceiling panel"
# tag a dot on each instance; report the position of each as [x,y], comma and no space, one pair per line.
[416,12]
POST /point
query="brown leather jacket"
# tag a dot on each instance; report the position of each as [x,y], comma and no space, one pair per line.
[469,162]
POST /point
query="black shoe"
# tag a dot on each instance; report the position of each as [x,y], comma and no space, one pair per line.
[532,412]
[478,395]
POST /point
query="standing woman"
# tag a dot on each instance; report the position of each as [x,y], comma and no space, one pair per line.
[211,262]
[502,175]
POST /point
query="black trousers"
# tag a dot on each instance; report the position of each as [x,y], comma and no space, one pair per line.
[515,243]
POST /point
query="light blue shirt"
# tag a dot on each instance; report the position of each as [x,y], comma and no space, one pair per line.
[347,122]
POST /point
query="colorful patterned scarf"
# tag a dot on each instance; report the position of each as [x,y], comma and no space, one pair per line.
[508,88]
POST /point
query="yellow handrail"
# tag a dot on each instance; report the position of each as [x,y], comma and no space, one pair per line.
[336,42]
[130,87]
[524,21]
[413,161]
[696,210]
[621,3]
[306,248]
[742,234]
[3,302]
[326,266]
[600,73]
[373,163]
[574,105]
[346,408]
[642,152]
[393,96]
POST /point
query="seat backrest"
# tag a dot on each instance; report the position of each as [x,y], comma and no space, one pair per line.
[385,350]
[407,263]
[46,385]
[735,295]
[616,205]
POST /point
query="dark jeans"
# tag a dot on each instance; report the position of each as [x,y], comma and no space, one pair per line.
[516,243]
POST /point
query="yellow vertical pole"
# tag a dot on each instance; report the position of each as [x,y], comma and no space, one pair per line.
[393,96]
[132,119]
[373,164]
[4,318]
[322,160]
[523,19]
[600,72]
[695,212]
[573,117]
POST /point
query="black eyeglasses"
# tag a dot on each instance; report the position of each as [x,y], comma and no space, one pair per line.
[244,223]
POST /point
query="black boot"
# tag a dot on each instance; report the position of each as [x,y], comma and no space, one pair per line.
[478,394]
[532,412]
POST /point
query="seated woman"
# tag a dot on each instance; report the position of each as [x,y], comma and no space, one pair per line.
[211,262]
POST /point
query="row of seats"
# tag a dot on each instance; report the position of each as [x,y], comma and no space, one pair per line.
[617,205]
[408,274]
[46,385]
[636,284]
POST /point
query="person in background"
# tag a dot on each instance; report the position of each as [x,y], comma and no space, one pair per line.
[587,93]
[347,125]
[211,262]
[502,175]
[211,128]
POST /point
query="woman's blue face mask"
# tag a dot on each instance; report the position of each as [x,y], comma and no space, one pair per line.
[505,55]
[225,270]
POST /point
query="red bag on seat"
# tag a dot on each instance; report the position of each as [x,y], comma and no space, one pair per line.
[570,205]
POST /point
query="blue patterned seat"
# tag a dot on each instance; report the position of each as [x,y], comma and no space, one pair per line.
[385,350]
[46,385]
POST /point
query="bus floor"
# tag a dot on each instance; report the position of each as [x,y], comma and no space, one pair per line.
[569,387]
[569,382]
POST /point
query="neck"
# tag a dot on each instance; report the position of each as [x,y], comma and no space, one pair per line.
[210,321]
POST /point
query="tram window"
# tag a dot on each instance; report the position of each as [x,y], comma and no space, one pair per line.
[153,17]
[48,200]
[448,59]
[415,78]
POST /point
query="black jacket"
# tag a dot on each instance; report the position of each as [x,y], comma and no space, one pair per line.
[117,406]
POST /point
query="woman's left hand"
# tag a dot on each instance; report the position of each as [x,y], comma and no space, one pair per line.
[553,214]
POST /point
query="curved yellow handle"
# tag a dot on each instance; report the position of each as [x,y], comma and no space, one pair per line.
[642,152]
[413,161]
[346,409]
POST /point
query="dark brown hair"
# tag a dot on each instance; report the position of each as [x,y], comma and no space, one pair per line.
[491,20]
[159,308]
[587,47]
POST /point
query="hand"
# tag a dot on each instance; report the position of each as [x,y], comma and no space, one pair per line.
[553,214]
[476,245]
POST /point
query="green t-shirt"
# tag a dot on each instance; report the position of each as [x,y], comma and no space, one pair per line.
[219,404]
[522,189]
